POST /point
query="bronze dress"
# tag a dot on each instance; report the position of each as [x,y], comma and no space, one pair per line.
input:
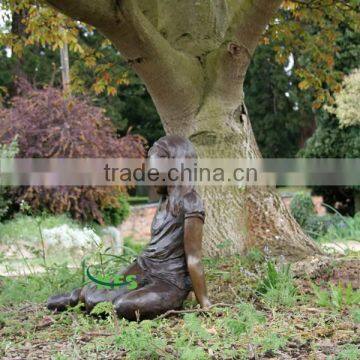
[164,257]
[161,270]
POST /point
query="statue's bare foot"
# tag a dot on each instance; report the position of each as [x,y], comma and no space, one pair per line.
[63,301]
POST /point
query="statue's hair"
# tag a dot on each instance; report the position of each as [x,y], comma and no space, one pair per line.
[175,147]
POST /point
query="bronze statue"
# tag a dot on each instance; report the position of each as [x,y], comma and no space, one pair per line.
[170,266]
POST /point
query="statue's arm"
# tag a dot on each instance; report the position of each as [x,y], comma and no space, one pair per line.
[192,243]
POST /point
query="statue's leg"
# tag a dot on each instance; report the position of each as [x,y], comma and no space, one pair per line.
[149,301]
[63,301]
[90,295]
[94,296]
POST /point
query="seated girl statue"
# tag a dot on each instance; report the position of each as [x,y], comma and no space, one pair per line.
[170,266]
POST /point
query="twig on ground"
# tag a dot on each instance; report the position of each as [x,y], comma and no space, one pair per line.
[197,310]
[26,307]
[99,334]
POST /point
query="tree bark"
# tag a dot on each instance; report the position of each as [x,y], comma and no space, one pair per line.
[18,30]
[239,219]
[65,68]
[193,57]
[357,202]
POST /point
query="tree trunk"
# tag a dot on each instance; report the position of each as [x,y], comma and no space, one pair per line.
[65,67]
[18,30]
[357,201]
[193,57]
[241,218]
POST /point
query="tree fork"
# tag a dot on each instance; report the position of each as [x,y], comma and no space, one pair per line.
[194,64]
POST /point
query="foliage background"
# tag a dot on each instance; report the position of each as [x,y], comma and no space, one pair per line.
[47,124]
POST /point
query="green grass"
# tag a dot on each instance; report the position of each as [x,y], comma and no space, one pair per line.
[244,321]
[349,352]
[277,288]
[25,228]
[38,287]
[256,325]
[337,297]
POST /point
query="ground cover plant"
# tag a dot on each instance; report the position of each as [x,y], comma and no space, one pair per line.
[264,311]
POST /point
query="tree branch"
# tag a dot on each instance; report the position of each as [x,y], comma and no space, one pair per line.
[250,20]
[196,310]
[95,12]
[173,78]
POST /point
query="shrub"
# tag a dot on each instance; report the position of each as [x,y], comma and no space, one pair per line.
[317,226]
[6,152]
[66,237]
[346,106]
[4,203]
[301,208]
[114,216]
[50,125]
[331,141]
[348,229]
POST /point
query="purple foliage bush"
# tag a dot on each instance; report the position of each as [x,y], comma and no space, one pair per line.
[47,124]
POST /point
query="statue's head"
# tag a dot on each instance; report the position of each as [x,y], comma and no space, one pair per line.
[172,147]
